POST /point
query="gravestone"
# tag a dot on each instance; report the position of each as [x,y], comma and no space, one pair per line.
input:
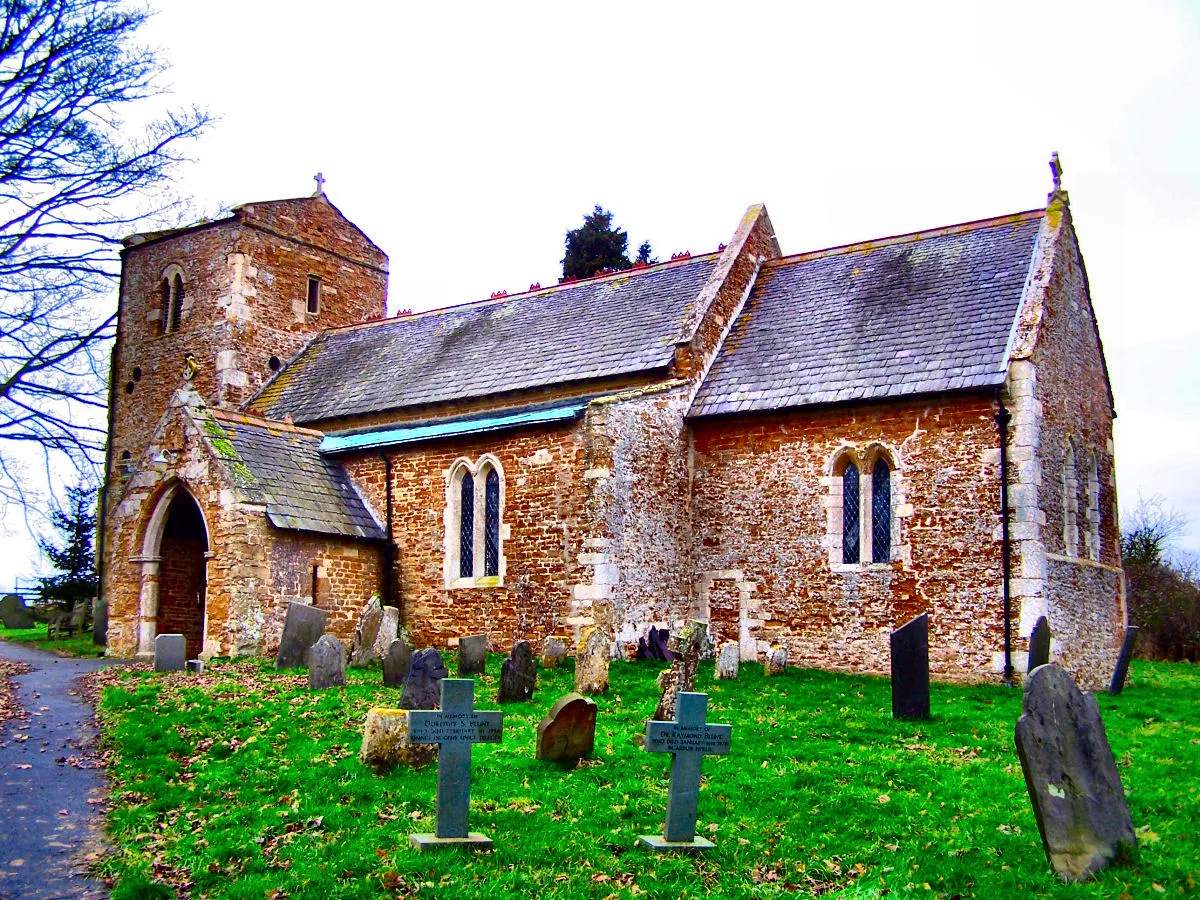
[14,613]
[389,630]
[686,648]
[396,662]
[554,651]
[569,730]
[1039,644]
[591,664]
[471,654]
[454,728]
[688,739]
[910,669]
[170,653]
[728,660]
[776,662]
[362,645]
[1072,777]
[1122,669]
[302,628]
[518,675]
[658,644]
[195,666]
[386,742]
[327,663]
[422,685]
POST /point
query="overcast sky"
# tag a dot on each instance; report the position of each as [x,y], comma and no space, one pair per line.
[466,138]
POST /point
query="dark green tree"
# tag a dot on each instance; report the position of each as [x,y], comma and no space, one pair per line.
[1162,586]
[597,245]
[71,554]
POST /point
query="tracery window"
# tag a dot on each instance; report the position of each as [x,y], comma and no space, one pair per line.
[881,512]
[466,527]
[851,520]
[863,520]
[474,524]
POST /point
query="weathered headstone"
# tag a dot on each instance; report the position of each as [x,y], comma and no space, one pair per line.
[472,654]
[170,653]
[569,730]
[302,628]
[518,675]
[195,666]
[688,739]
[386,742]
[728,660]
[454,728]
[389,630]
[776,662]
[423,684]
[686,647]
[396,662]
[362,645]
[554,651]
[1122,669]
[1039,644]
[910,669]
[1072,777]
[591,663]
[14,613]
[658,644]
[327,663]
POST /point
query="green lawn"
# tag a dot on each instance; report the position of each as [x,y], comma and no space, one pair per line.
[80,645]
[242,783]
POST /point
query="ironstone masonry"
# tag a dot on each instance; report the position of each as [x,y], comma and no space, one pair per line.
[621,452]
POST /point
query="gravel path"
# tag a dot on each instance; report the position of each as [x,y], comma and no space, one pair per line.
[46,781]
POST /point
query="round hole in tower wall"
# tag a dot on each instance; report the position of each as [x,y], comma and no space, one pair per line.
[137,373]
[273,363]
[125,454]
[129,387]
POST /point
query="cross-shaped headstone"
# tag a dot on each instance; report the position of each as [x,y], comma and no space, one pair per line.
[320,180]
[689,739]
[456,726]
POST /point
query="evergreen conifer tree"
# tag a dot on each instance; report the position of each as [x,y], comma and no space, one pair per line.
[597,245]
[72,555]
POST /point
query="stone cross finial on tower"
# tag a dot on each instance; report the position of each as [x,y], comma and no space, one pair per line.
[320,180]
[1056,170]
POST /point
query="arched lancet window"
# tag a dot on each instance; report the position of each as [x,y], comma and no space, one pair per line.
[466,528]
[850,514]
[1093,508]
[171,301]
[165,321]
[881,512]
[491,524]
[176,302]
[1070,502]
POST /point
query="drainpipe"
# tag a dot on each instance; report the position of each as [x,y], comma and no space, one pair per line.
[389,548]
[1003,418]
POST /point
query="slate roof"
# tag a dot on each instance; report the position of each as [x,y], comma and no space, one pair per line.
[280,466]
[617,325]
[921,313]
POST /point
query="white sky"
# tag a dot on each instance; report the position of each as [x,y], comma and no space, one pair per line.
[466,138]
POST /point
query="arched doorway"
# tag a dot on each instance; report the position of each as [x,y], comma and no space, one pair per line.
[179,567]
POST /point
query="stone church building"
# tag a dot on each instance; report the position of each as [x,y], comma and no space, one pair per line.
[804,450]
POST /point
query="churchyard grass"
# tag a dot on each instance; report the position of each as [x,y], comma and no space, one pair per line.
[243,783]
[76,645]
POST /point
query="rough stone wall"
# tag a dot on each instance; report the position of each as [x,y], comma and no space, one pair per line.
[764,524]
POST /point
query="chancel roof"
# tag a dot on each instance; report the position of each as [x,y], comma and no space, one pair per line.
[921,313]
[599,328]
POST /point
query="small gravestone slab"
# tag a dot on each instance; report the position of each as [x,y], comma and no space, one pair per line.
[454,728]
[688,739]
[170,653]
[362,645]
[327,663]
[1072,777]
[302,628]
[910,669]
[396,662]
[687,649]
[776,662]
[658,644]
[553,653]
[195,666]
[643,649]
[1039,644]
[472,654]
[518,675]
[569,731]
[728,660]
[14,613]
[423,684]
[591,665]
[386,742]
[1122,670]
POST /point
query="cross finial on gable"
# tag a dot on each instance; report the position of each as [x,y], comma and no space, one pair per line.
[320,180]
[1056,170]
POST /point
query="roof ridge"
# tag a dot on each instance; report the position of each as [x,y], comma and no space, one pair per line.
[909,237]
[262,422]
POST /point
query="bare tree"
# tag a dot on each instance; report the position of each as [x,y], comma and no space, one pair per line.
[74,178]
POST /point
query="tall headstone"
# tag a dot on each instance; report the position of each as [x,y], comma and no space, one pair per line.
[688,739]
[472,654]
[518,675]
[326,663]
[454,728]
[389,629]
[14,613]
[1039,644]
[910,669]
[554,651]
[569,731]
[362,645]
[591,665]
[658,642]
[1122,669]
[170,653]
[686,648]
[1072,777]
[423,684]
[728,660]
[396,662]
[302,628]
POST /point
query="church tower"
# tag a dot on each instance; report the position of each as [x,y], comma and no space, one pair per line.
[227,302]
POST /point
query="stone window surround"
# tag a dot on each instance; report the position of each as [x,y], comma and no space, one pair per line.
[1070,501]
[865,460]
[1091,537]
[169,274]
[310,307]
[452,519]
